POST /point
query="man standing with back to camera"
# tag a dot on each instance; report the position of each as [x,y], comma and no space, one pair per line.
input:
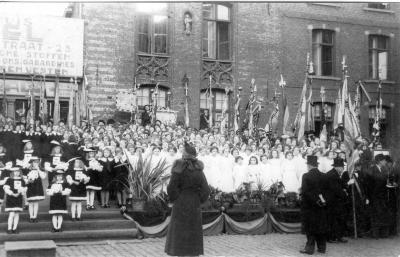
[313,207]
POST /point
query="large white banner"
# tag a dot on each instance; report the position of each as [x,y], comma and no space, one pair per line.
[41,45]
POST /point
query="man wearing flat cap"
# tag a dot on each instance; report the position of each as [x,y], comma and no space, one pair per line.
[337,198]
[313,207]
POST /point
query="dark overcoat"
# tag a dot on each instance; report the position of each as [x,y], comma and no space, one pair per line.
[314,217]
[377,194]
[187,189]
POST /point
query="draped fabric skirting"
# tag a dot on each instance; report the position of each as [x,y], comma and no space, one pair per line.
[225,224]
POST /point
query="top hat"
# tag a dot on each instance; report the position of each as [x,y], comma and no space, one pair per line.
[338,162]
[312,160]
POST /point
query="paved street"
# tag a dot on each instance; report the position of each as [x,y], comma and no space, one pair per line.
[225,245]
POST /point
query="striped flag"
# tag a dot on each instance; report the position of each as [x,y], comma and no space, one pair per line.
[43,101]
[338,116]
[300,119]
[378,111]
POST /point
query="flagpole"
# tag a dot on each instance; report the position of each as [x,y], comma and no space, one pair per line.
[5,111]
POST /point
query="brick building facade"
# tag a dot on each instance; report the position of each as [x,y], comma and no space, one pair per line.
[235,42]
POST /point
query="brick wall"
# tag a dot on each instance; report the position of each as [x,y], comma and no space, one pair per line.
[267,40]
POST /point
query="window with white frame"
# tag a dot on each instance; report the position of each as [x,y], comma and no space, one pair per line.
[382,6]
[323,51]
[378,56]
[152,28]
[216,31]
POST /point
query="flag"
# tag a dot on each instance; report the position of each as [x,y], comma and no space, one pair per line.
[299,120]
[237,114]
[273,118]
[310,115]
[31,111]
[210,123]
[56,115]
[378,112]
[71,108]
[224,117]
[83,97]
[338,116]
[250,106]
[5,112]
[43,102]
[285,112]
[77,107]
[186,105]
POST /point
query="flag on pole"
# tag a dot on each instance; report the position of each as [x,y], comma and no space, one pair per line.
[43,101]
[250,106]
[83,97]
[338,116]
[225,107]
[236,121]
[186,104]
[300,119]
[285,129]
[273,118]
[5,112]
[378,112]
[71,108]
[56,115]
[210,96]
[31,112]
[77,107]
[310,114]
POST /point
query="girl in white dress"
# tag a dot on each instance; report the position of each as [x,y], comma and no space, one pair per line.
[239,172]
[253,174]
[289,176]
[226,175]
[265,170]
[275,166]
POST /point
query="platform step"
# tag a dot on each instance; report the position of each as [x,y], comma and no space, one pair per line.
[69,225]
[86,215]
[124,233]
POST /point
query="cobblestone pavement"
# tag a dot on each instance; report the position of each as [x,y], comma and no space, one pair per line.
[227,245]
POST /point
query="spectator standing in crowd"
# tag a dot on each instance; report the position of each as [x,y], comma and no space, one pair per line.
[187,189]
[313,207]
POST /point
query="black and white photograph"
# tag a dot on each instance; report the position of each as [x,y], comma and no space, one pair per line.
[199,128]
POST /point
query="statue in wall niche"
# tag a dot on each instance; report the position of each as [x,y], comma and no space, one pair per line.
[187,21]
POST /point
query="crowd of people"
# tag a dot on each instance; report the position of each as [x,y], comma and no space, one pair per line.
[85,162]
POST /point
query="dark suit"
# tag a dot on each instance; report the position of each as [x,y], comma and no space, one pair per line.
[377,194]
[146,119]
[337,199]
[314,216]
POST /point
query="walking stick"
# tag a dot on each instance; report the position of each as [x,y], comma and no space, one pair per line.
[354,211]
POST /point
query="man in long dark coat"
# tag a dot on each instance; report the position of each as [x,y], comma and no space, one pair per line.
[187,189]
[337,198]
[313,207]
[377,197]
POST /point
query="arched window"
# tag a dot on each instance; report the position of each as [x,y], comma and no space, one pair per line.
[323,114]
[216,31]
[146,93]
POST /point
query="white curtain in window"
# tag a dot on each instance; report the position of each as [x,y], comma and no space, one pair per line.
[211,29]
[317,52]
[222,13]
[203,101]
[382,65]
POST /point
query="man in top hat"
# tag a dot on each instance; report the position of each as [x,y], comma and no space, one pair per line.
[337,198]
[313,207]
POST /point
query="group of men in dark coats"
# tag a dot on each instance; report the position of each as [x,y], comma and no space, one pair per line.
[326,201]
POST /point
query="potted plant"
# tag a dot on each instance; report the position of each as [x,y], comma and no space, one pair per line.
[146,181]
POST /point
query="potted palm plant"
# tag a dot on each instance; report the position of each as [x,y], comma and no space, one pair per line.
[146,181]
